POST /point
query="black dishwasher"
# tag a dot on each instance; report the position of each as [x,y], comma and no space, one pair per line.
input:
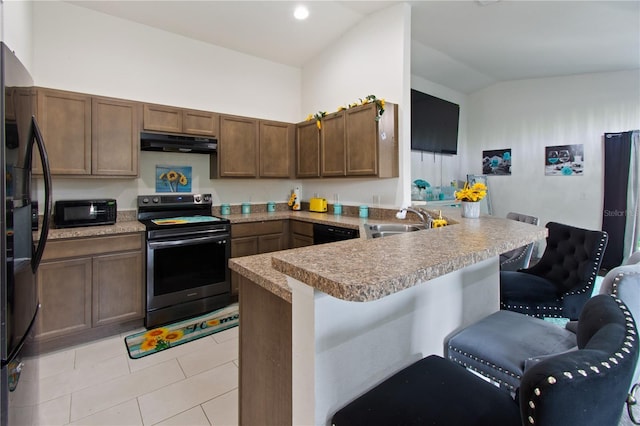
[329,233]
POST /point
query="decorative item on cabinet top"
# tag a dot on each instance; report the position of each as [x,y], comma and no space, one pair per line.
[318,116]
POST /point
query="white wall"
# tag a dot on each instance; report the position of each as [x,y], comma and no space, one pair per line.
[16,29]
[81,50]
[372,58]
[528,115]
[440,169]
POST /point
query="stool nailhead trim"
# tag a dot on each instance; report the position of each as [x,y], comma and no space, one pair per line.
[551,380]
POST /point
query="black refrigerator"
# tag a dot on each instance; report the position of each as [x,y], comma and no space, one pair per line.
[21,143]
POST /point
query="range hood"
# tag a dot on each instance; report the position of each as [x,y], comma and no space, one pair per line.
[177,143]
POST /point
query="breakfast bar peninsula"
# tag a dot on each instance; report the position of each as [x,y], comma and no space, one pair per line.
[320,325]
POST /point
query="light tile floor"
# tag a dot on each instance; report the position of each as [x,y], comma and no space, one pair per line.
[98,384]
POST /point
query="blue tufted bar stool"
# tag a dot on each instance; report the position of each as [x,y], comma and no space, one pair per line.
[502,345]
[562,281]
[584,387]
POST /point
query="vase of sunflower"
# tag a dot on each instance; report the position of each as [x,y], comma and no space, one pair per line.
[469,198]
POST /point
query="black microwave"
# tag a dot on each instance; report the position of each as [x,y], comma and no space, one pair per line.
[71,213]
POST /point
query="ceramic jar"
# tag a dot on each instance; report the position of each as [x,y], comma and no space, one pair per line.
[470,209]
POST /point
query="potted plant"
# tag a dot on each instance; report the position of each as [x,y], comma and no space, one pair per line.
[470,197]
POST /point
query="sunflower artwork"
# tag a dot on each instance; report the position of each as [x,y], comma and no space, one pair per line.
[173,178]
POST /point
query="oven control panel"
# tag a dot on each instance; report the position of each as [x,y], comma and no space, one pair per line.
[174,199]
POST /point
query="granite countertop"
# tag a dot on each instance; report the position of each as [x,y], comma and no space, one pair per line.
[126,224]
[365,270]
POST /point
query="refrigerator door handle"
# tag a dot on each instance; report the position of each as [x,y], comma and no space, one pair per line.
[44,158]
[16,350]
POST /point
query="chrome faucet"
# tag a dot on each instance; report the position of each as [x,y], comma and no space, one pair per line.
[425,216]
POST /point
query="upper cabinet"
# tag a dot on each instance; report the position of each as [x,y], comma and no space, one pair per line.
[332,143]
[161,118]
[275,144]
[371,144]
[65,122]
[115,136]
[352,142]
[250,148]
[238,146]
[88,135]
[307,150]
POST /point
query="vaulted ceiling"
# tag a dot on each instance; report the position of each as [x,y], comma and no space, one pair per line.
[463,45]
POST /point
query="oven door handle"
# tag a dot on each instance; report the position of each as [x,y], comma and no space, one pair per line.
[184,242]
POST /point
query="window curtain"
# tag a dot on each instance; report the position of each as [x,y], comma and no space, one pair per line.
[620,212]
[632,227]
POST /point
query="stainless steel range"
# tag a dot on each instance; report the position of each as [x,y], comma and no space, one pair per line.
[187,255]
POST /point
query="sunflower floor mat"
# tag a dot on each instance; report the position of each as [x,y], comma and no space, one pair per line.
[158,339]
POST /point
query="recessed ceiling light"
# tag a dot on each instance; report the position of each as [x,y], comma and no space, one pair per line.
[301,13]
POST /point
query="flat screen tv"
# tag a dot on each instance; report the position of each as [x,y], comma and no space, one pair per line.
[434,124]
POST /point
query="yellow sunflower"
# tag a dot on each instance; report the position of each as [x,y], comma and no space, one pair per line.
[172,176]
[148,344]
[183,179]
[156,333]
[172,336]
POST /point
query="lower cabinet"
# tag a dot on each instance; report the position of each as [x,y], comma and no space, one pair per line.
[87,283]
[255,238]
[301,234]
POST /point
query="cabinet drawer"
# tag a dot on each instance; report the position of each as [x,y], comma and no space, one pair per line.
[256,228]
[302,228]
[90,246]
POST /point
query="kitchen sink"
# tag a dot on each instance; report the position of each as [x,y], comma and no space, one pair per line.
[388,229]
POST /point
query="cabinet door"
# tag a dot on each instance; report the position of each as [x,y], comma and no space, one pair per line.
[238,147]
[362,141]
[245,246]
[200,123]
[333,145]
[276,153]
[162,118]
[307,150]
[118,288]
[269,243]
[65,122]
[115,137]
[301,234]
[64,290]
[298,240]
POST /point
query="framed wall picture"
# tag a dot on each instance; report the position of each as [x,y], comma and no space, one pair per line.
[173,178]
[496,162]
[564,160]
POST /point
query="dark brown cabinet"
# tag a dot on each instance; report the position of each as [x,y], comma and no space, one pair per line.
[276,149]
[351,142]
[65,122]
[257,237]
[307,150]
[88,136]
[162,118]
[251,148]
[88,283]
[238,147]
[115,136]
[301,233]
[332,139]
